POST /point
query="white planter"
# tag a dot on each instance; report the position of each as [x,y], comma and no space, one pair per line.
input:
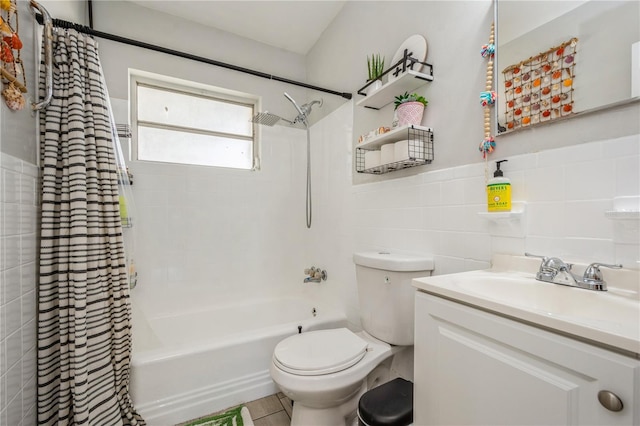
[375,86]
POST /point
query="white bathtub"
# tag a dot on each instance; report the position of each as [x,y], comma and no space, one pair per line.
[192,364]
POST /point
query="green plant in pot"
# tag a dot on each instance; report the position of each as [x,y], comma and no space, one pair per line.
[410,108]
[375,68]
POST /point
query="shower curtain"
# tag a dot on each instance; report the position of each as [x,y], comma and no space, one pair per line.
[84,312]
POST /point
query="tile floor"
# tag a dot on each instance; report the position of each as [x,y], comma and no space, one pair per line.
[273,410]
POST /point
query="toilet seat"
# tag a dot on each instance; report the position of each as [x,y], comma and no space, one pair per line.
[319,352]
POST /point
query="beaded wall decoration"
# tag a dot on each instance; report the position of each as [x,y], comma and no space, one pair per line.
[540,88]
[12,68]
[488,97]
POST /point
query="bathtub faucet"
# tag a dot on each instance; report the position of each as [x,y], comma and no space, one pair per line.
[315,275]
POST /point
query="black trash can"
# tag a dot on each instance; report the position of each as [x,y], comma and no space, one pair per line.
[390,404]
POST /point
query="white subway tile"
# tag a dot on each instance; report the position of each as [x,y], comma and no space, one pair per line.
[452,193]
[571,154]
[431,218]
[12,316]
[3,364]
[518,186]
[14,406]
[14,354]
[11,251]
[430,193]
[28,307]
[544,246]
[28,277]
[468,245]
[546,219]
[28,191]
[10,186]
[442,175]
[29,361]
[475,190]
[588,250]
[586,219]
[10,219]
[469,171]
[8,162]
[545,184]
[30,170]
[516,163]
[448,265]
[451,245]
[590,180]
[627,176]
[11,284]
[508,245]
[28,248]
[28,219]
[29,401]
[476,265]
[622,147]
[29,337]
[453,218]
[628,255]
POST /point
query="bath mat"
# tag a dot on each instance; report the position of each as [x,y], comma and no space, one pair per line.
[238,416]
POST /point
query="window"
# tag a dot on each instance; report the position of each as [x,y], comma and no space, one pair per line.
[189,124]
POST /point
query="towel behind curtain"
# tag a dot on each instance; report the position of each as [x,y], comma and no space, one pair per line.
[84,330]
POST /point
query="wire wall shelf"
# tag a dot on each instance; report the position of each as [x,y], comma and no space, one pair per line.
[408,146]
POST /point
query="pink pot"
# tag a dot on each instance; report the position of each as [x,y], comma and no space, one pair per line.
[410,113]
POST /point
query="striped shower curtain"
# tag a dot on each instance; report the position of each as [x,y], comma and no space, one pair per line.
[84,312]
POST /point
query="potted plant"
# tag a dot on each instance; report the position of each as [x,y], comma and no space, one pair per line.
[410,108]
[375,67]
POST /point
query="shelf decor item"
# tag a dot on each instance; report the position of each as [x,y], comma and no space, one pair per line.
[375,68]
[11,68]
[488,97]
[410,108]
[540,88]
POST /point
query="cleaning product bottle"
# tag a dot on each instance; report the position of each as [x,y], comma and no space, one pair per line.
[499,191]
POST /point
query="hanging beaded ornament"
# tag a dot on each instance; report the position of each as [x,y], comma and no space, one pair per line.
[12,68]
[488,97]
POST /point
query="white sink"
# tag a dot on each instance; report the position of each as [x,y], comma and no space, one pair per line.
[611,318]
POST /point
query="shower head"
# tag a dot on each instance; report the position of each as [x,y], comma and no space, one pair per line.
[304,110]
[268,119]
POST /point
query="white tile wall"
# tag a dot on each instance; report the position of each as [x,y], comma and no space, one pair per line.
[18,240]
[206,236]
[566,190]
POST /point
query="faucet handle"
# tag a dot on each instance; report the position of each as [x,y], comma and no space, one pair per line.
[593,273]
[544,258]
[551,263]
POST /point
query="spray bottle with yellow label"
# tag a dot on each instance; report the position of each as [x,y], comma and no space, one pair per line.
[499,191]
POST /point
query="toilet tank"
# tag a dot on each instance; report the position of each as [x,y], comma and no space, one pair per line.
[386,295]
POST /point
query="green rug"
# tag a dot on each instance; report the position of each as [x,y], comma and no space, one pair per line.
[231,417]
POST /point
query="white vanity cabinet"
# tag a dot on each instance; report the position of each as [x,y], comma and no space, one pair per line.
[473,367]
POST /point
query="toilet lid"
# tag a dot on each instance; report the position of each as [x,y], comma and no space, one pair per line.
[319,352]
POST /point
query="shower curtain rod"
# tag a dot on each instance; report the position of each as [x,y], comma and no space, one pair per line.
[90,31]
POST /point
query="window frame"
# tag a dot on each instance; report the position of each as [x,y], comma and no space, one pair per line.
[191,88]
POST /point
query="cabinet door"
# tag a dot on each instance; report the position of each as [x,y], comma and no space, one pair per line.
[474,367]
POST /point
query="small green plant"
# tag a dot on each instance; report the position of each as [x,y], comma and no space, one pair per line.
[375,66]
[406,97]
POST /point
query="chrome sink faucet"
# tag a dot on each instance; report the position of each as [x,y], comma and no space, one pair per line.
[554,270]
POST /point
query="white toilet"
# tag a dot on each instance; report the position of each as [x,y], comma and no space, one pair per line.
[325,372]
